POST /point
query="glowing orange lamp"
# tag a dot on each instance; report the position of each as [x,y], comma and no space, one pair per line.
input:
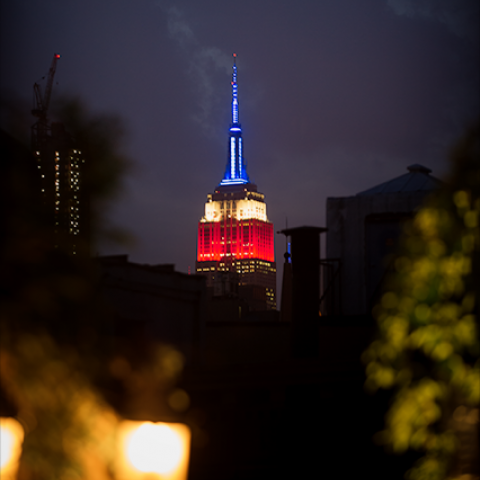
[153,451]
[11,439]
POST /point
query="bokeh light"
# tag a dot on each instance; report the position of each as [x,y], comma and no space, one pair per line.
[11,438]
[152,450]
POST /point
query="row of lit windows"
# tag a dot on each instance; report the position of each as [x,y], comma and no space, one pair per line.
[222,240]
[252,262]
[233,237]
[244,265]
[233,247]
[253,223]
[233,230]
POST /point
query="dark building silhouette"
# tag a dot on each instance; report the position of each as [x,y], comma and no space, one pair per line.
[20,205]
[155,303]
[235,248]
[363,233]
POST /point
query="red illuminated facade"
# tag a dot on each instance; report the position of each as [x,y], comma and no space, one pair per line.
[241,239]
[235,245]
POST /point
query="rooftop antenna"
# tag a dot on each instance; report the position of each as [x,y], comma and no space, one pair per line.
[288,254]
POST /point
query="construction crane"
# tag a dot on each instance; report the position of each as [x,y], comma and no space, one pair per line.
[42,102]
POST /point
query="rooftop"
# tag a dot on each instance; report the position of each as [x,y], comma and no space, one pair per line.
[418,179]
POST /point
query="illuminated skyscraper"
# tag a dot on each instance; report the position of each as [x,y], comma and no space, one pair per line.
[235,247]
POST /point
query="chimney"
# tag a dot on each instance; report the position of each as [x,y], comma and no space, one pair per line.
[305,292]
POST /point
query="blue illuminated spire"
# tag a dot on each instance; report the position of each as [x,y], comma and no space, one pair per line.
[234,92]
[236,171]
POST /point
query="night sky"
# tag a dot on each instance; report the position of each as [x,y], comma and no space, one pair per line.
[336,96]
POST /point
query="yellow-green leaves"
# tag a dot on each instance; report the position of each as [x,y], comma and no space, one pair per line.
[427,332]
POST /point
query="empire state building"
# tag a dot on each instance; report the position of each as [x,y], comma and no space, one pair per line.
[235,246]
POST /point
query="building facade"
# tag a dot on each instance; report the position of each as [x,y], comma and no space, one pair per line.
[62,172]
[235,246]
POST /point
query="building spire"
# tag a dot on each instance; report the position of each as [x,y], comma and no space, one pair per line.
[234,92]
[236,170]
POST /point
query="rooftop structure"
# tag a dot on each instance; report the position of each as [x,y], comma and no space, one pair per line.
[362,237]
[418,179]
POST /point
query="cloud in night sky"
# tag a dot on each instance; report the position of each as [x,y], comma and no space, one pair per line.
[201,62]
[460,16]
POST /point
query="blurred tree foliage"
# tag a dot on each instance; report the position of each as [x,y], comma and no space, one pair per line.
[428,348]
[102,140]
[61,368]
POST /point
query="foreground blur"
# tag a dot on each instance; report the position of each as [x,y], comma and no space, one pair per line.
[11,438]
